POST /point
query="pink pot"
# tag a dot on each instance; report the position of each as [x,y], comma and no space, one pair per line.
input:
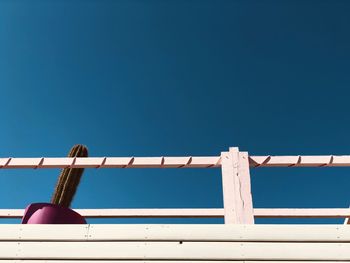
[46,213]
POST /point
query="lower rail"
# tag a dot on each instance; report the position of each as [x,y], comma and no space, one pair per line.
[198,213]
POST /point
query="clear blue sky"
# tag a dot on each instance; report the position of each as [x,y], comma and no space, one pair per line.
[153,78]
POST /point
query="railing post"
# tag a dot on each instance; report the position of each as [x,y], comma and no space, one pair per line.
[237,196]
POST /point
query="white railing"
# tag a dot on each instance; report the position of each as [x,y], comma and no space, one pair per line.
[235,166]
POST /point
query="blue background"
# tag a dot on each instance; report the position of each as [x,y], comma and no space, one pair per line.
[175,78]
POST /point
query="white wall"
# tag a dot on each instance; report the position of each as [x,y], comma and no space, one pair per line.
[143,243]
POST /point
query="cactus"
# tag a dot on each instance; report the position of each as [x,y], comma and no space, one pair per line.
[69,179]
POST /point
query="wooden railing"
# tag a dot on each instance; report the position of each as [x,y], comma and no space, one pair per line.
[235,167]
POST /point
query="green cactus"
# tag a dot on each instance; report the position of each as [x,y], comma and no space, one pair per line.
[69,179]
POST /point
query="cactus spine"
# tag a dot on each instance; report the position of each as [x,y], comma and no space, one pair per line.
[69,179]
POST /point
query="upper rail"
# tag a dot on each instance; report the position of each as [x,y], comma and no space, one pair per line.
[172,162]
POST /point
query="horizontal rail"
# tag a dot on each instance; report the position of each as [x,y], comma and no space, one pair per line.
[111,162]
[197,213]
[172,162]
[300,161]
[132,213]
[163,261]
[302,212]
